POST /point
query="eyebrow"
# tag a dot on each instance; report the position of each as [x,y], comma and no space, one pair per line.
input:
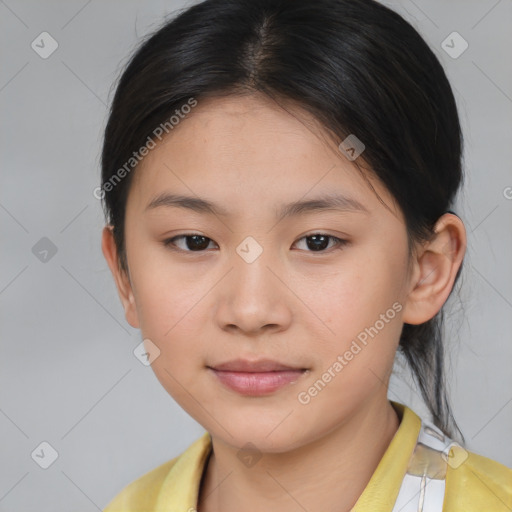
[322,203]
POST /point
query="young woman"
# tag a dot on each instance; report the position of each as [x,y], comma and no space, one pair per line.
[278,178]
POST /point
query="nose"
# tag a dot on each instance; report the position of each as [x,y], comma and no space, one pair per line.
[253,298]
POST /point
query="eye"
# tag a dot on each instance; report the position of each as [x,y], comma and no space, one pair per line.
[318,242]
[193,242]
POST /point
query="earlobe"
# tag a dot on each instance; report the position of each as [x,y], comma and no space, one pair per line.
[122,281]
[435,269]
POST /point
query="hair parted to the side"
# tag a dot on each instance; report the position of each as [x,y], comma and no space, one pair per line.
[357,66]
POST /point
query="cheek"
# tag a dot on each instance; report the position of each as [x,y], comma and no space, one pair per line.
[168,305]
[166,294]
[168,321]
[360,304]
[349,300]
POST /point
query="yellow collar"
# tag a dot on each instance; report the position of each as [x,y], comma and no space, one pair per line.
[382,490]
[180,488]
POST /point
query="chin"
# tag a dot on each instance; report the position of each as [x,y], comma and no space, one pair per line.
[264,436]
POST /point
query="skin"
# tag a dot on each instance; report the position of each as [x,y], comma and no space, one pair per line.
[292,304]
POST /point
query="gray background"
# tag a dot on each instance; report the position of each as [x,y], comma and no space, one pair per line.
[68,374]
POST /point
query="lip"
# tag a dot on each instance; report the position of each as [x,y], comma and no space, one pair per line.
[260,365]
[254,378]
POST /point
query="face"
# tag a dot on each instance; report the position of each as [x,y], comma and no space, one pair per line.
[313,294]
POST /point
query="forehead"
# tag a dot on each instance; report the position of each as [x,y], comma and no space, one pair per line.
[247,149]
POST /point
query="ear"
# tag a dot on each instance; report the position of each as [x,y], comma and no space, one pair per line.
[435,269]
[122,280]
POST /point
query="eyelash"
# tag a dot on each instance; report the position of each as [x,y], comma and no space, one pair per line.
[340,243]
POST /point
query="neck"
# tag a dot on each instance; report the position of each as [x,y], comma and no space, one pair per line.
[329,473]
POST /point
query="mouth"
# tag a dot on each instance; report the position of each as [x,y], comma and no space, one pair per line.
[255,378]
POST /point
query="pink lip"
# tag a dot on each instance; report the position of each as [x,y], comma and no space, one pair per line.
[256,377]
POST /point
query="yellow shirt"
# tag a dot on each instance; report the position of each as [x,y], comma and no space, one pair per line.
[473,484]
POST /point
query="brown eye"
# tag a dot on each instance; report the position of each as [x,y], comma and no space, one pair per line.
[193,242]
[318,242]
